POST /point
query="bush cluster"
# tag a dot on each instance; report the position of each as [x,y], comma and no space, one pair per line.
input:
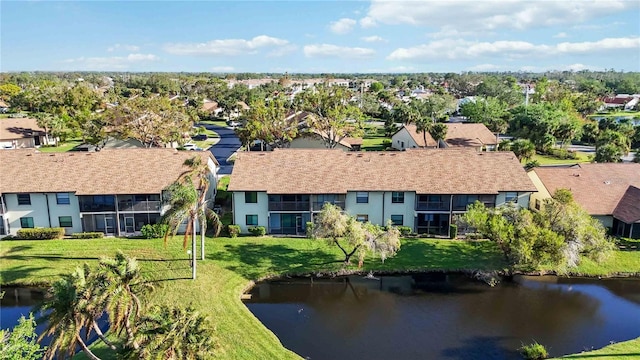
[310,227]
[154,231]
[563,154]
[453,231]
[234,230]
[405,230]
[258,230]
[40,234]
[87,235]
[534,351]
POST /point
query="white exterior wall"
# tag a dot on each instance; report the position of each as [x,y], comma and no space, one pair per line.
[405,209]
[403,136]
[373,208]
[309,142]
[38,211]
[242,209]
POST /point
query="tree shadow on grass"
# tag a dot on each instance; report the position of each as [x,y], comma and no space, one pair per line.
[255,260]
[481,347]
[19,248]
[14,273]
[458,255]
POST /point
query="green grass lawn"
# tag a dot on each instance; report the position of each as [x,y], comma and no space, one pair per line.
[232,264]
[62,146]
[628,350]
[373,139]
[548,160]
[616,114]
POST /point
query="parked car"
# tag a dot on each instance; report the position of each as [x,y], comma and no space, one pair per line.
[191,146]
[234,124]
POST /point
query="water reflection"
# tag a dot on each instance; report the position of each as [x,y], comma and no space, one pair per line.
[445,316]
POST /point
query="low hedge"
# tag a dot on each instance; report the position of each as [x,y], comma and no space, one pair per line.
[88,235]
[234,230]
[257,230]
[40,234]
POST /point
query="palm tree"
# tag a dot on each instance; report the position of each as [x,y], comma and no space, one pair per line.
[91,298]
[123,283]
[174,333]
[423,125]
[65,319]
[438,132]
[524,149]
[188,203]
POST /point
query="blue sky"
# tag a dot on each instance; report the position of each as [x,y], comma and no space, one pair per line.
[320,36]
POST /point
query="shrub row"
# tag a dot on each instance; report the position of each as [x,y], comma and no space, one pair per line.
[234,230]
[154,231]
[257,230]
[87,235]
[40,234]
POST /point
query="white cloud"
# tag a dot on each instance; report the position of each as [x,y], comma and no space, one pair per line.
[282,50]
[561,35]
[456,49]
[226,47]
[484,67]
[374,38]
[329,50]
[222,69]
[110,63]
[367,22]
[123,47]
[452,32]
[342,26]
[491,14]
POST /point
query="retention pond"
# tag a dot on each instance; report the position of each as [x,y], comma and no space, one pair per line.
[439,316]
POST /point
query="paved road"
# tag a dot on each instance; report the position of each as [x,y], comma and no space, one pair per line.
[228,144]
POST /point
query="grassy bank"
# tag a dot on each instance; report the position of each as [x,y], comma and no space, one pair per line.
[231,265]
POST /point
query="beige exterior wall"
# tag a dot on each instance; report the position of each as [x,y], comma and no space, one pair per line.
[307,142]
[402,140]
[241,209]
[373,208]
[523,199]
[542,193]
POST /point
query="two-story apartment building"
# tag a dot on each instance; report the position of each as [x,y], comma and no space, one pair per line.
[423,189]
[111,191]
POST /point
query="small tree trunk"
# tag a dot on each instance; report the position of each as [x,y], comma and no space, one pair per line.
[86,350]
[130,334]
[96,328]
[202,242]
[193,250]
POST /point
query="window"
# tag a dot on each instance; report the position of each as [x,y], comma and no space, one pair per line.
[397,220]
[252,220]
[65,221]
[24,199]
[26,222]
[251,197]
[402,146]
[63,199]
[511,197]
[362,217]
[537,204]
[362,197]
[397,197]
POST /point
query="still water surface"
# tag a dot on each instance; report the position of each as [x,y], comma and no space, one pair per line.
[437,316]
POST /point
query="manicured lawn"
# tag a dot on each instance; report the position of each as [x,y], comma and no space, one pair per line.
[628,350]
[548,160]
[232,264]
[62,147]
[373,139]
[616,114]
[214,122]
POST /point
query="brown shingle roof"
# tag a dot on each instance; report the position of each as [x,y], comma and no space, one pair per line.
[122,171]
[628,209]
[466,134]
[19,128]
[426,171]
[597,187]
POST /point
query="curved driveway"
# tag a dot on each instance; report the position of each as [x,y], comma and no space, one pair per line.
[227,146]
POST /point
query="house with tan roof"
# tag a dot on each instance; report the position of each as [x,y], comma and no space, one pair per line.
[283,189]
[473,135]
[607,191]
[116,192]
[20,133]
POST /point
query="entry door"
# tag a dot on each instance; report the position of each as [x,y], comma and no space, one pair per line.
[298,225]
[128,224]
[109,224]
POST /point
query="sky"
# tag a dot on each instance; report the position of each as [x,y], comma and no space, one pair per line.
[320,36]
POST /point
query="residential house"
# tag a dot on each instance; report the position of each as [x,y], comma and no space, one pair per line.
[313,139]
[112,191]
[607,191]
[620,101]
[20,133]
[476,136]
[425,190]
